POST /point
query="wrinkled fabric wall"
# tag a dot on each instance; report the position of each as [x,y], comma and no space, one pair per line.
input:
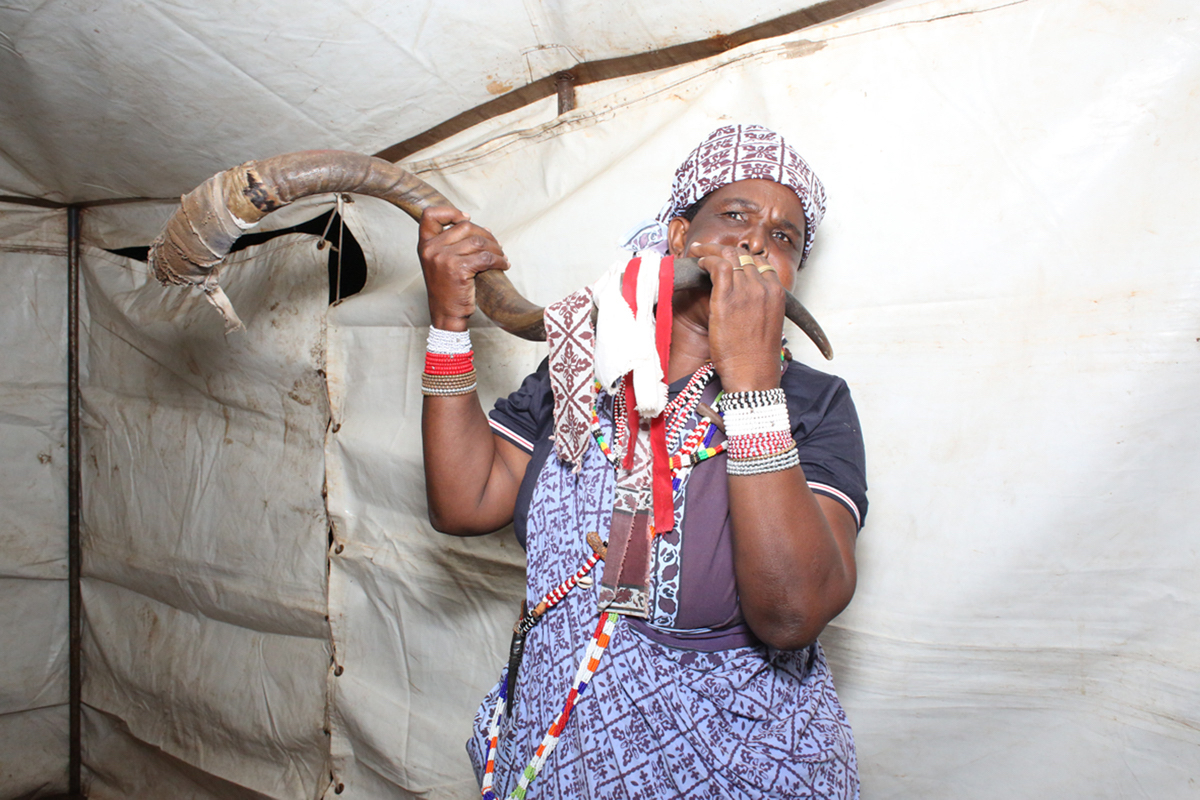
[33,494]
[206,648]
[418,618]
[109,100]
[1007,275]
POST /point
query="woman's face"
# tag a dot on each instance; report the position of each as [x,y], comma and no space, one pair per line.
[759,217]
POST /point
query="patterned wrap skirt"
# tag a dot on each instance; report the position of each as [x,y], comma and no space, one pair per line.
[656,721]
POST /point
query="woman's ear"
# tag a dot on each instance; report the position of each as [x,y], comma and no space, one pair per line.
[677,230]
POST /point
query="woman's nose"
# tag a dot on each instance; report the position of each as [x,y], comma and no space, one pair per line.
[753,241]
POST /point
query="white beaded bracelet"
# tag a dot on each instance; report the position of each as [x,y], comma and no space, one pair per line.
[755,424]
[748,413]
[766,419]
[448,342]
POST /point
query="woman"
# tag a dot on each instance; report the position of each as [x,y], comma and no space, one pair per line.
[710,682]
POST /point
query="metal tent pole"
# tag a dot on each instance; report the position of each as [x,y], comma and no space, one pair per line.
[74,502]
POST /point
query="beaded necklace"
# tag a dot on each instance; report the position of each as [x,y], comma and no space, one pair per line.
[678,411]
[598,434]
[685,402]
[696,447]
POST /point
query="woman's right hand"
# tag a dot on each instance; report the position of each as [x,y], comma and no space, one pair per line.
[453,250]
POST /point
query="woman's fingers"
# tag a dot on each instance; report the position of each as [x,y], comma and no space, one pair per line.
[755,266]
[731,262]
[742,284]
[450,240]
[435,219]
[716,260]
[453,250]
[745,316]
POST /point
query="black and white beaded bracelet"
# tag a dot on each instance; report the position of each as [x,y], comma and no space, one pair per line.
[759,466]
[732,401]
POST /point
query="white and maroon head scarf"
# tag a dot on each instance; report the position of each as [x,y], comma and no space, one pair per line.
[736,153]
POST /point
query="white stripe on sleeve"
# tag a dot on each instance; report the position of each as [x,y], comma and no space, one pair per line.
[508,433]
[838,494]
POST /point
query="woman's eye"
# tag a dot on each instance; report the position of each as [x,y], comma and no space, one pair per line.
[734,215]
[783,237]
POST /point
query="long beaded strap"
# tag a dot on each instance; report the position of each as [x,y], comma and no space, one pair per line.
[583,676]
[555,595]
[523,626]
[489,771]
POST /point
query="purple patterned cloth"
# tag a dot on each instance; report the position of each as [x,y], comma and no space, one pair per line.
[657,721]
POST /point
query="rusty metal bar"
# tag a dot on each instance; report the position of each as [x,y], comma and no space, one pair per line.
[41,202]
[565,84]
[38,202]
[74,503]
[624,66]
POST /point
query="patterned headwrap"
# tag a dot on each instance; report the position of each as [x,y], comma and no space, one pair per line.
[736,153]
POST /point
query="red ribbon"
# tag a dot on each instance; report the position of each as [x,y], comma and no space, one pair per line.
[664,501]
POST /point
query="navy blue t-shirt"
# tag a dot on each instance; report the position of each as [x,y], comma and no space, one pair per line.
[830,445]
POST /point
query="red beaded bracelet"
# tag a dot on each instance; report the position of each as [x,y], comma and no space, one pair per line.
[757,445]
[446,364]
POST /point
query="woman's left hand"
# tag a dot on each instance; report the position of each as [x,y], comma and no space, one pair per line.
[745,318]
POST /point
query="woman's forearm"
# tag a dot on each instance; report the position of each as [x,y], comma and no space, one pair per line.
[471,476]
[793,556]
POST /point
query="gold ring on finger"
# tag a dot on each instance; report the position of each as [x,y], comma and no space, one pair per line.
[739,269]
[767,268]
[746,261]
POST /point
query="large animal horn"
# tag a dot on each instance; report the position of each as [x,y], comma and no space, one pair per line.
[213,215]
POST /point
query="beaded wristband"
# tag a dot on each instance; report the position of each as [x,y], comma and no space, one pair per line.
[757,466]
[449,364]
[759,434]
[442,364]
[758,445]
[448,342]
[756,420]
[446,385]
[732,401]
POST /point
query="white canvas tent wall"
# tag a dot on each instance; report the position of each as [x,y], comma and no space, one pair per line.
[1007,273]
